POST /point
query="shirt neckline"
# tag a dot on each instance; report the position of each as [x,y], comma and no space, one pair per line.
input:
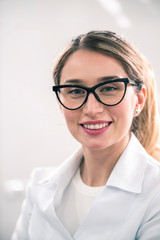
[84,188]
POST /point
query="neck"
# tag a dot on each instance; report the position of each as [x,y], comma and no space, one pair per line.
[98,164]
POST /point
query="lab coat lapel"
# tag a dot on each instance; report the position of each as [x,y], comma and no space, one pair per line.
[44,217]
[106,216]
[52,187]
[50,191]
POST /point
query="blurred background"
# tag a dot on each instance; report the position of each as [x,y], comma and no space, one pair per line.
[32,33]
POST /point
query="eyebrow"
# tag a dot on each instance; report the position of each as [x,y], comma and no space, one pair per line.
[101,79]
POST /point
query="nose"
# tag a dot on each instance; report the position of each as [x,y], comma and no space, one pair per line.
[92,107]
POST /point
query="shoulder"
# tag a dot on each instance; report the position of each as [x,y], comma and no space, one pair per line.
[153,172]
[38,183]
[41,174]
[147,168]
[153,166]
[151,184]
[142,155]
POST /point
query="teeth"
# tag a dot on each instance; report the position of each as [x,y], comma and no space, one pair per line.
[96,126]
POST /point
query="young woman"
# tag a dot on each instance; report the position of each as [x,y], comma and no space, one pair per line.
[110,187]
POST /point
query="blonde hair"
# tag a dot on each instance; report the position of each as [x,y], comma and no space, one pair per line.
[146,125]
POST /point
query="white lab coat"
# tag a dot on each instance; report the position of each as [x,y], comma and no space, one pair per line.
[127,209]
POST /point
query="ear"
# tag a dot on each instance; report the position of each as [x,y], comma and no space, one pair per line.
[141,96]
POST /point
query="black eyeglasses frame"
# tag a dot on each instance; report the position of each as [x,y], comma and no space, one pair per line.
[89,90]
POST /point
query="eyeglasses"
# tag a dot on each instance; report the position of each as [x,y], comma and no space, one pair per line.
[109,93]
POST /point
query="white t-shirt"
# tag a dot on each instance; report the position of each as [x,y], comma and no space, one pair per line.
[76,202]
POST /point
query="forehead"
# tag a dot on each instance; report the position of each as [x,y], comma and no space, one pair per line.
[89,66]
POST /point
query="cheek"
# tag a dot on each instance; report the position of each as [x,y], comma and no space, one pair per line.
[70,117]
[124,112]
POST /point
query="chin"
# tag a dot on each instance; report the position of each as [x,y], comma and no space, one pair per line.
[95,147]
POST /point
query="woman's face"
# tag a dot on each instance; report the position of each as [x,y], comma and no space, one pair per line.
[88,67]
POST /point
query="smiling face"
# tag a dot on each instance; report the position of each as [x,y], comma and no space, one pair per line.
[94,125]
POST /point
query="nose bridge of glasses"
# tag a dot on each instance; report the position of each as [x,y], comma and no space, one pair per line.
[92,105]
[92,90]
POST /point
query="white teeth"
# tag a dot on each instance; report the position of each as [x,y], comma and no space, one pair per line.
[96,126]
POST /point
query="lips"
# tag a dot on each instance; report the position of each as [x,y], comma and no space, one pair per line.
[95,127]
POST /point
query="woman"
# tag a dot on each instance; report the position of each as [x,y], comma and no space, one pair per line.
[110,187]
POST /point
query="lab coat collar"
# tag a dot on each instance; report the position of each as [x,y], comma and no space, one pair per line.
[129,171]
[127,174]
[63,173]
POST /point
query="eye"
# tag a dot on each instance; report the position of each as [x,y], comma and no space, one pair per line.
[113,87]
[108,89]
[73,92]
[76,91]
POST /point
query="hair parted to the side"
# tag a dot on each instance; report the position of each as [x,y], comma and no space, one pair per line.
[146,125]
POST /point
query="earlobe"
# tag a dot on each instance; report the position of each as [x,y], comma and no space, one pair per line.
[137,111]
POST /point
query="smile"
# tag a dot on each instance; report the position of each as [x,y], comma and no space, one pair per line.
[95,126]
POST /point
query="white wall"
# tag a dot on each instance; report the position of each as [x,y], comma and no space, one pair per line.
[32,130]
